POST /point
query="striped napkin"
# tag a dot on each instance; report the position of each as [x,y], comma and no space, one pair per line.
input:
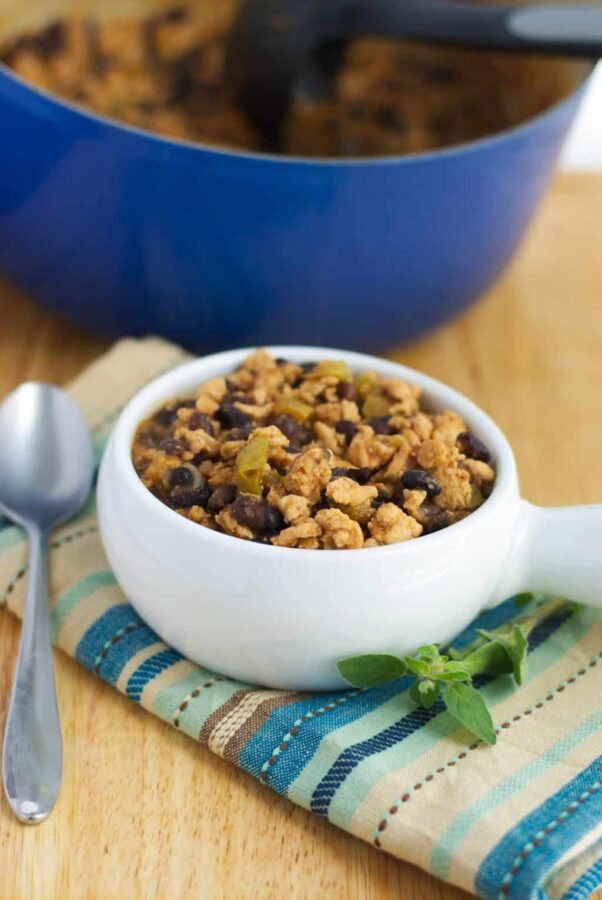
[520,820]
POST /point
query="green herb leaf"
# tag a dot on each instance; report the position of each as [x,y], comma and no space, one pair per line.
[519,656]
[417,666]
[429,653]
[415,692]
[491,658]
[371,670]
[467,706]
[514,641]
[425,692]
[523,599]
[453,671]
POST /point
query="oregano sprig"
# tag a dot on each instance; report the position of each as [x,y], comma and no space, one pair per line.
[449,675]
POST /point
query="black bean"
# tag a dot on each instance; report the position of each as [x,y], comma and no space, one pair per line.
[397,493]
[470,445]
[287,424]
[232,417]
[387,117]
[302,436]
[188,403]
[182,476]
[165,416]
[383,496]
[257,514]
[346,390]
[442,74]
[486,489]
[182,496]
[200,420]
[239,434]
[305,368]
[362,475]
[274,518]
[146,439]
[184,79]
[340,472]
[347,428]
[380,426]
[419,480]
[186,479]
[101,66]
[45,42]
[173,446]
[434,518]
[175,14]
[221,496]
[249,511]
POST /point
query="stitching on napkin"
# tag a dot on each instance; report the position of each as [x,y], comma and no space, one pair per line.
[294,730]
[175,716]
[120,633]
[406,796]
[54,545]
[540,836]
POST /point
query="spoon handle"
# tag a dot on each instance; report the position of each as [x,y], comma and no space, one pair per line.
[575,30]
[32,753]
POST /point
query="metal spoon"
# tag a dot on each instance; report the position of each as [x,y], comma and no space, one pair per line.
[46,467]
[275,43]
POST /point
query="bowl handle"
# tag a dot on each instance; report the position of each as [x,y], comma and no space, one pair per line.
[557,551]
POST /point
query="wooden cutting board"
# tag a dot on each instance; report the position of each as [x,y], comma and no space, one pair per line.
[144,812]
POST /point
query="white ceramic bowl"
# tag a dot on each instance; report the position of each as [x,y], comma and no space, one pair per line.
[283,617]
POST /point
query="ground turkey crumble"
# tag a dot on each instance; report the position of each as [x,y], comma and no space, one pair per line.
[311,456]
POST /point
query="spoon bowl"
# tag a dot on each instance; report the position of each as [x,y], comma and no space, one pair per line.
[38,480]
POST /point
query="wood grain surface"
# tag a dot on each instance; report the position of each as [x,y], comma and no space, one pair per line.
[144,812]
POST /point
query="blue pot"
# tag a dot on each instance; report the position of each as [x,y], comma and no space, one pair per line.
[130,233]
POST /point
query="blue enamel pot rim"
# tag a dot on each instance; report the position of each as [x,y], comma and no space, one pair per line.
[252,156]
